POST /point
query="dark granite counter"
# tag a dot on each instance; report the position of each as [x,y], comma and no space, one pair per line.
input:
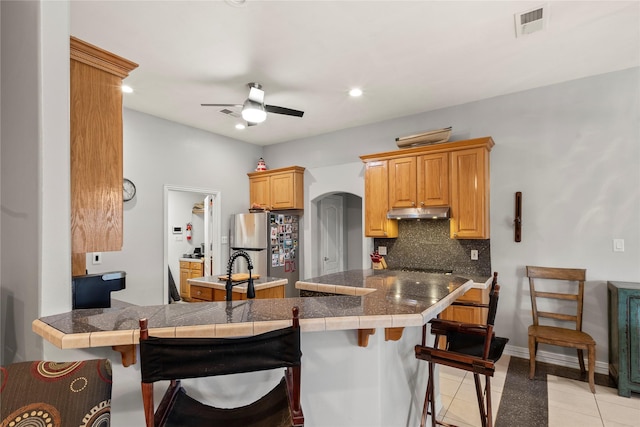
[392,300]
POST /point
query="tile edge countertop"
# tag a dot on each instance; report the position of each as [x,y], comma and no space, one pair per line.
[400,300]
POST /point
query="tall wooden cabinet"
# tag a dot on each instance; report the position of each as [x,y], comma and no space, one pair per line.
[96,150]
[454,174]
[376,201]
[624,335]
[470,194]
[277,189]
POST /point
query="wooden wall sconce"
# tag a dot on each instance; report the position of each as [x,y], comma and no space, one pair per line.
[518,221]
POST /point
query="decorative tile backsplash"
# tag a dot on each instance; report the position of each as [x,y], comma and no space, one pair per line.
[426,244]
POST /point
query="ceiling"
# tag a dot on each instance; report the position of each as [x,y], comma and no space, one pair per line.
[408,57]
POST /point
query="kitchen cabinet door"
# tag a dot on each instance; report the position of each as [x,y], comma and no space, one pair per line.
[433,180]
[285,191]
[402,182]
[95,150]
[259,188]
[476,315]
[624,335]
[185,271]
[277,189]
[376,201]
[470,194]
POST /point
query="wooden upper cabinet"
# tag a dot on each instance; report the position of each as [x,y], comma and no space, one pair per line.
[454,174]
[402,182]
[376,201]
[259,190]
[470,194]
[96,148]
[433,180]
[277,189]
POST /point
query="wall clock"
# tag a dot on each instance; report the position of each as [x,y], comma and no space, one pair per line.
[128,190]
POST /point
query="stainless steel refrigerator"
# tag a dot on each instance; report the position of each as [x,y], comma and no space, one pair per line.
[272,241]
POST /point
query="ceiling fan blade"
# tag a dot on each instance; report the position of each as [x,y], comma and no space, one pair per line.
[221,105]
[256,95]
[282,110]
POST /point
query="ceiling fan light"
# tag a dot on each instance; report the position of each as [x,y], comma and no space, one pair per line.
[253,112]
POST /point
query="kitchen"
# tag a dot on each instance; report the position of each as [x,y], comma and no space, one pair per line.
[566,222]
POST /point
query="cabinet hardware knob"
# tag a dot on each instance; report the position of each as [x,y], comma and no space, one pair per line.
[421,203]
[413,203]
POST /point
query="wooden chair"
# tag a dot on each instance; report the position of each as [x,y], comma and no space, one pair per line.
[470,347]
[173,359]
[556,335]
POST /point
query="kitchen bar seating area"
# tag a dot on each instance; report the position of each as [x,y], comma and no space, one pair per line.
[210,166]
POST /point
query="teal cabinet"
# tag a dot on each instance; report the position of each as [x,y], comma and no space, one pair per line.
[624,335]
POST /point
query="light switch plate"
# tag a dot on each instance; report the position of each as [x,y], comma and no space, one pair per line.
[382,250]
[618,245]
[474,254]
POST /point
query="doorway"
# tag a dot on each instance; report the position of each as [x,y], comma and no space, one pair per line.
[192,226]
[338,233]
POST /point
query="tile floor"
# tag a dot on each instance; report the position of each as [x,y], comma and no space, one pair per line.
[569,402]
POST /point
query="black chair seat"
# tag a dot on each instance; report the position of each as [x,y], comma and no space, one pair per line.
[271,410]
[474,345]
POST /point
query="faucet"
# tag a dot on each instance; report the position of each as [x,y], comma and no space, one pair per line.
[251,293]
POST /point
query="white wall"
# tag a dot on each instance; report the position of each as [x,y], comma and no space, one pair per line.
[36,265]
[158,152]
[573,149]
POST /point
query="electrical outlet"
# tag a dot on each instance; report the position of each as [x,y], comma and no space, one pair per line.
[224,240]
[96,258]
[382,250]
[618,245]
[474,254]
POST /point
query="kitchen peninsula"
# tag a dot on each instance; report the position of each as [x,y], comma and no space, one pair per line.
[384,371]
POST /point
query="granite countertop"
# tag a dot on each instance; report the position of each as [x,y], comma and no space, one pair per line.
[258,284]
[363,282]
[397,300]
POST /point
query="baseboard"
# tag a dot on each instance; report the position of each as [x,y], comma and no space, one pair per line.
[554,358]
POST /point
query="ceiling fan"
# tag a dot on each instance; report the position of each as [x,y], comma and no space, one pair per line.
[254,110]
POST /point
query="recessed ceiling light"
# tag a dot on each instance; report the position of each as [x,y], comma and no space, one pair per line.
[240,126]
[355,92]
[127,89]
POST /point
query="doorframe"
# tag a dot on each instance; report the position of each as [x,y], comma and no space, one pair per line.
[217,212]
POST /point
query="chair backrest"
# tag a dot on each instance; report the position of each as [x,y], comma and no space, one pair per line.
[180,358]
[571,276]
[493,300]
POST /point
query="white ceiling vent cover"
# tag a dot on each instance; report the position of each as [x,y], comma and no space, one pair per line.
[532,20]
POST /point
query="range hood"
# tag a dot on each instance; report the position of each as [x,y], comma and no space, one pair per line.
[441,212]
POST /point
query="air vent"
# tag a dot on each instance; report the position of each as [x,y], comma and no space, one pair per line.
[532,20]
[230,113]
